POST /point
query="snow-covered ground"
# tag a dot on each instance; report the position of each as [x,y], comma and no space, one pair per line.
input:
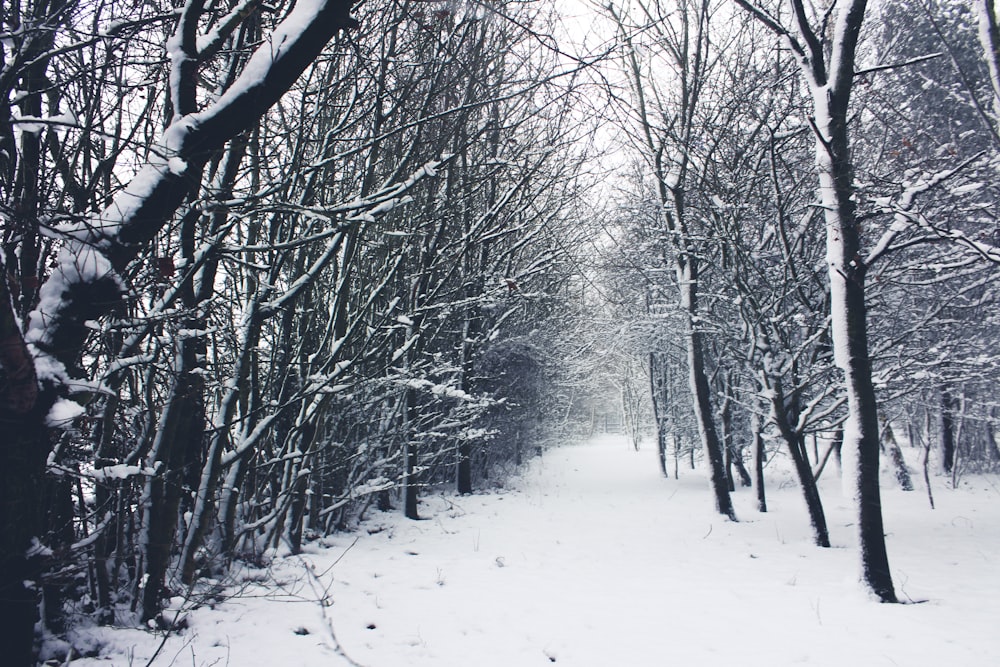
[593,559]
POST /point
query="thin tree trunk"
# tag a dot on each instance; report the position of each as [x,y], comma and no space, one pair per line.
[759,454]
[657,383]
[896,457]
[701,393]
[947,431]
[727,439]
[821,464]
[177,447]
[796,444]
[410,455]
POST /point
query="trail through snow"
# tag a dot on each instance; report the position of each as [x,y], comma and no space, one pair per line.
[593,559]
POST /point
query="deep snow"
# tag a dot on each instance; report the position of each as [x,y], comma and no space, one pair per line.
[593,559]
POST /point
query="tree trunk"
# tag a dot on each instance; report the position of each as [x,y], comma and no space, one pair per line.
[896,456]
[783,412]
[759,454]
[701,393]
[22,480]
[810,492]
[178,448]
[727,438]
[661,443]
[57,539]
[850,336]
[296,510]
[948,406]
[463,472]
[661,408]
[410,454]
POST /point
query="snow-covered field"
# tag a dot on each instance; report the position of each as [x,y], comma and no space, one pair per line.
[593,559]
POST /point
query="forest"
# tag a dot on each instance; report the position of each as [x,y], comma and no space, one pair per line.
[270,268]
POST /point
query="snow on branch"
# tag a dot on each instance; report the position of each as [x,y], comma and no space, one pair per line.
[905,63]
[85,285]
[905,217]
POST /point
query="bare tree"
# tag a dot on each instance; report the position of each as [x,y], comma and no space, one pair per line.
[827,60]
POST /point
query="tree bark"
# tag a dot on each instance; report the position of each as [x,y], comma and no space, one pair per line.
[701,394]
[783,414]
[23,451]
[847,303]
[948,405]
[828,69]
[661,408]
[758,460]
[896,456]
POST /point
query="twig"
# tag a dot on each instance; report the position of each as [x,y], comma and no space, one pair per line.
[316,585]
[905,63]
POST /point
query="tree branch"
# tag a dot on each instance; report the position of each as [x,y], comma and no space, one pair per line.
[905,63]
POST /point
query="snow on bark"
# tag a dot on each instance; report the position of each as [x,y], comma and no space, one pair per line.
[76,263]
[100,247]
[989,37]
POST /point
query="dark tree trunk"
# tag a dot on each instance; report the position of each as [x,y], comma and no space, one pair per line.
[759,454]
[296,518]
[838,449]
[948,405]
[850,312]
[874,557]
[701,393]
[22,480]
[464,473]
[745,480]
[26,439]
[103,445]
[410,488]
[178,447]
[896,456]
[661,443]
[410,454]
[58,538]
[784,414]
[810,492]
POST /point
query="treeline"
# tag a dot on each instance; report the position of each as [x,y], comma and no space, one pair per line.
[810,239]
[265,266]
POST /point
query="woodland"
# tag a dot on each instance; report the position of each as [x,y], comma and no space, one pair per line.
[270,268]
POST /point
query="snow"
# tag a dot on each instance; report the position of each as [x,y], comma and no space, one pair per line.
[177,166]
[63,412]
[438,389]
[285,34]
[76,263]
[593,559]
[120,471]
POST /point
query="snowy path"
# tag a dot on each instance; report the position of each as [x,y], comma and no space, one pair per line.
[595,560]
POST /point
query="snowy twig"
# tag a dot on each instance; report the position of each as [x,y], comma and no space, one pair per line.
[905,63]
[324,601]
